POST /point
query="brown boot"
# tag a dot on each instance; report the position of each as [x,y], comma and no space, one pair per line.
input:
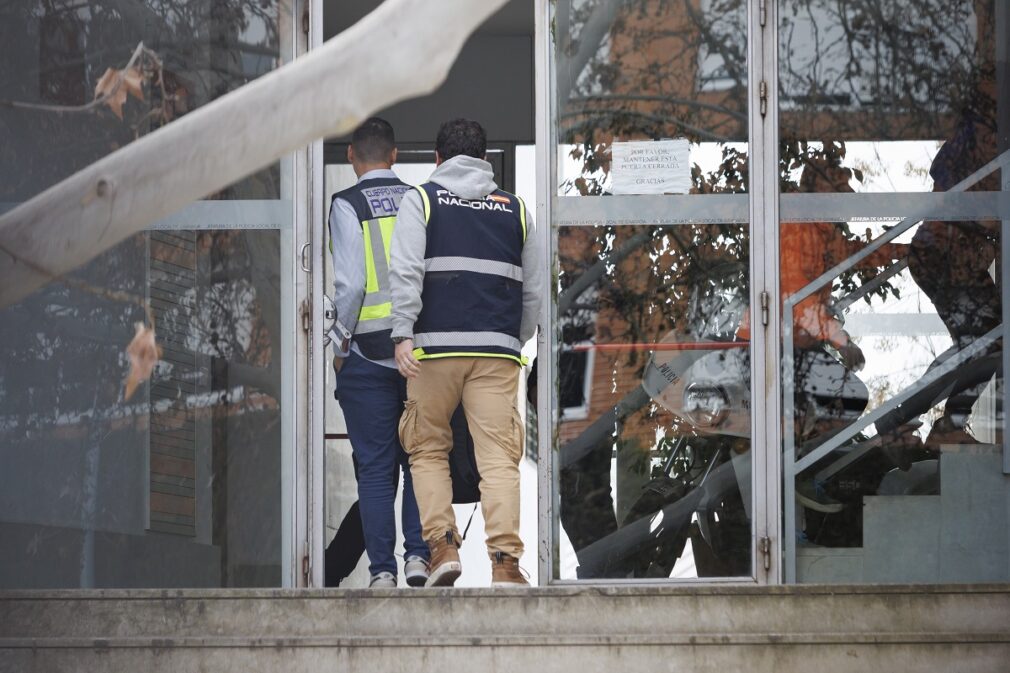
[505,571]
[444,566]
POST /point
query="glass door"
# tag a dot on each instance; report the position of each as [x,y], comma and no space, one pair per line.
[649,358]
[340,488]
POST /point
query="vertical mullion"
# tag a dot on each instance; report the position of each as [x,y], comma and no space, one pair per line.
[773,335]
[546,161]
[296,385]
[315,534]
[765,389]
[1003,118]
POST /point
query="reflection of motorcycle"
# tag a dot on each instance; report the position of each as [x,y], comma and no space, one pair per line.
[702,375]
[701,490]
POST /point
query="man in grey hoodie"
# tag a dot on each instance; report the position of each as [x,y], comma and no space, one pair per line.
[466,286]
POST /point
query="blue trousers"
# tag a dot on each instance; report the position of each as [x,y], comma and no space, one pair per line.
[371,397]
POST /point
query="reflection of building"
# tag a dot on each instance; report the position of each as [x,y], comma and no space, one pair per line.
[213,474]
[162,476]
[179,484]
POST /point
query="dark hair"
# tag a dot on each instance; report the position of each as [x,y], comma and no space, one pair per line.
[461,136]
[373,140]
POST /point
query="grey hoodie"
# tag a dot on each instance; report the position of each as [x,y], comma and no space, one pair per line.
[468,178]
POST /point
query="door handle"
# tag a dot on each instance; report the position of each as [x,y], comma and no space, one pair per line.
[301,256]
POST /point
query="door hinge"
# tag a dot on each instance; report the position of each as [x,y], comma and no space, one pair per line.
[763,12]
[763,97]
[764,309]
[765,546]
[306,564]
[306,313]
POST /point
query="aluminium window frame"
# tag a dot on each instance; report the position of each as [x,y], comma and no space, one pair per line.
[763,208]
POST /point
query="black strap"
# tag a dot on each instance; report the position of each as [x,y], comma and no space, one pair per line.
[465,530]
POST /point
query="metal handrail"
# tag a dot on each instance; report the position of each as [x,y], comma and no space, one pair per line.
[979,345]
[790,466]
[1000,162]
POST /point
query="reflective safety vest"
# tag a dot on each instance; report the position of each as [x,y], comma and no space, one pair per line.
[376,202]
[472,297]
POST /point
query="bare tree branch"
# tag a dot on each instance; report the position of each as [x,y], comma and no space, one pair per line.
[688,102]
[590,37]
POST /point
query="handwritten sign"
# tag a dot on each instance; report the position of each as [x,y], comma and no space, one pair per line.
[651,167]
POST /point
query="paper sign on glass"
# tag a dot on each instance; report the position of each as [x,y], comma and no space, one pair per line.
[651,167]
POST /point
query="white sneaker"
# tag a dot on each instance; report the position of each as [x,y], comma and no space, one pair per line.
[383,580]
[416,570]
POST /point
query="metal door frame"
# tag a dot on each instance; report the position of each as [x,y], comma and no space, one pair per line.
[764,269]
[311,544]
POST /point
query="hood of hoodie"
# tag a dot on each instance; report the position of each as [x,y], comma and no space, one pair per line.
[464,176]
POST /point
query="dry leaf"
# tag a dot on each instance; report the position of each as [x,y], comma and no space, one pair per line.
[144,354]
[133,81]
[108,85]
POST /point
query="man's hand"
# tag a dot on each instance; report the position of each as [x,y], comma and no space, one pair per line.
[404,354]
[338,362]
[852,356]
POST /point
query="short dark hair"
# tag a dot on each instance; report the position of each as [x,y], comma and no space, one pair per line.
[461,136]
[373,140]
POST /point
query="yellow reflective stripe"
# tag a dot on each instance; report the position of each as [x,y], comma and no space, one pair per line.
[522,215]
[419,354]
[386,225]
[376,312]
[425,202]
[371,277]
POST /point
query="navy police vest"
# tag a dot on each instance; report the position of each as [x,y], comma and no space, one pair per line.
[376,202]
[472,297]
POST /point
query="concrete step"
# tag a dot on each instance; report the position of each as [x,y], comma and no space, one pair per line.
[960,535]
[587,628]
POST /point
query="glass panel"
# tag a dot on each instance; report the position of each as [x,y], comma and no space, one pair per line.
[116,474]
[894,138]
[341,486]
[652,393]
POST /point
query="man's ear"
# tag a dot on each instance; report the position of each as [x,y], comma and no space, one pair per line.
[350,154]
[392,157]
[438,158]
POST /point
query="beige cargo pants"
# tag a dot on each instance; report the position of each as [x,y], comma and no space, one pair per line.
[487,388]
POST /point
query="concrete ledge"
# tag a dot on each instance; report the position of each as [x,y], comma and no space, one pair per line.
[452,640]
[602,658]
[601,587]
[657,627]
